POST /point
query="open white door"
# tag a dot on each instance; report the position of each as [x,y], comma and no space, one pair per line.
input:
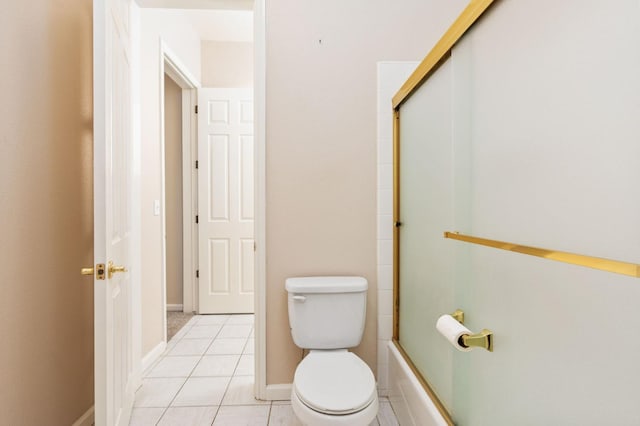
[114,363]
[225,200]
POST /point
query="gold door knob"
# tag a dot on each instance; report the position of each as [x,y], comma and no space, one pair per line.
[113,269]
[86,271]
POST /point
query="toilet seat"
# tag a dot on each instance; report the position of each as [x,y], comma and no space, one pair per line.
[334,382]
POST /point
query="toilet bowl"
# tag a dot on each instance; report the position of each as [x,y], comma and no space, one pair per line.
[331,385]
[334,388]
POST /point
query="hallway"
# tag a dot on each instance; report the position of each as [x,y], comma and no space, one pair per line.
[206,376]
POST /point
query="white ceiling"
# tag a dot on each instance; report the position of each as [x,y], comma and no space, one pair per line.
[214,20]
[221,25]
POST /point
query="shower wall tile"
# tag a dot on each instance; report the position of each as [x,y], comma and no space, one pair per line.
[383,378]
[385,327]
[385,122]
[383,352]
[385,303]
[385,201]
[385,252]
[391,76]
[385,150]
[385,276]
[385,176]
[385,227]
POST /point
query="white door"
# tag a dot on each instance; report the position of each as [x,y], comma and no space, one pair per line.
[114,387]
[225,200]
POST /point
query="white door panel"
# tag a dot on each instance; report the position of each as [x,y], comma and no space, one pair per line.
[114,390]
[225,186]
[246,178]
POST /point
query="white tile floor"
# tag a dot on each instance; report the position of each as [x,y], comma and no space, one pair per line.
[205,377]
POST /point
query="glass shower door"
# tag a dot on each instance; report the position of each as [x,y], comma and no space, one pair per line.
[526,136]
[426,210]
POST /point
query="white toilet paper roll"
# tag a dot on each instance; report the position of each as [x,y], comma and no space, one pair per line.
[451,329]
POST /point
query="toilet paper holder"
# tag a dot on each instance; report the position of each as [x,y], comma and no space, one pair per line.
[458,315]
[484,339]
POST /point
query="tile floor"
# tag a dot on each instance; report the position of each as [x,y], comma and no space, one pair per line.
[205,377]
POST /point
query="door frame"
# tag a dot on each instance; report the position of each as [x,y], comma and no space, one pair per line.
[260,225]
[171,65]
[261,390]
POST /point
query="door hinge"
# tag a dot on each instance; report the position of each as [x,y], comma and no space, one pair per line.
[196,218]
[196,109]
[254,246]
[196,164]
[197,273]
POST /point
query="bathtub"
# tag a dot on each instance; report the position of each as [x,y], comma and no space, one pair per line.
[411,403]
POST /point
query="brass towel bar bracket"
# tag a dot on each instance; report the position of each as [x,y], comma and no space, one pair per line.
[615,266]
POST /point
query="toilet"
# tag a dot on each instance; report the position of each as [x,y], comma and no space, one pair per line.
[331,385]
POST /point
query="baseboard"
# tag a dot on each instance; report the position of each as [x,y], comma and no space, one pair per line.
[280,392]
[152,356]
[175,308]
[86,419]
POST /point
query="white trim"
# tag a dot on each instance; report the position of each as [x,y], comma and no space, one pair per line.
[176,69]
[127,409]
[411,404]
[163,189]
[100,54]
[86,419]
[136,207]
[189,200]
[174,307]
[170,65]
[259,99]
[281,392]
[153,355]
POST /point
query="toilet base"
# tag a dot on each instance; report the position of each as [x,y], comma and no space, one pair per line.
[311,417]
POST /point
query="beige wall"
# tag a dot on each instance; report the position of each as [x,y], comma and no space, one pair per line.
[321,143]
[180,37]
[227,64]
[173,187]
[46,211]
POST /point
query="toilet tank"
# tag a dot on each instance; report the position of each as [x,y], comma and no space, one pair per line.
[327,312]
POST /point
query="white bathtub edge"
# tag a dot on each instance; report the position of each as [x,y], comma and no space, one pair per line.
[410,402]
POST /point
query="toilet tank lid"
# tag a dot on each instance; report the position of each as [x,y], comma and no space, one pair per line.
[326,284]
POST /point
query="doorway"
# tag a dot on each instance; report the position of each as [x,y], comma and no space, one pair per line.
[179,197]
[171,64]
[225,64]
[177,317]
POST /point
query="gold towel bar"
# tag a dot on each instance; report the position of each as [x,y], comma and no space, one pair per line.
[608,265]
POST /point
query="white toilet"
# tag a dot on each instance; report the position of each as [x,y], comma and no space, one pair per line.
[331,386]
